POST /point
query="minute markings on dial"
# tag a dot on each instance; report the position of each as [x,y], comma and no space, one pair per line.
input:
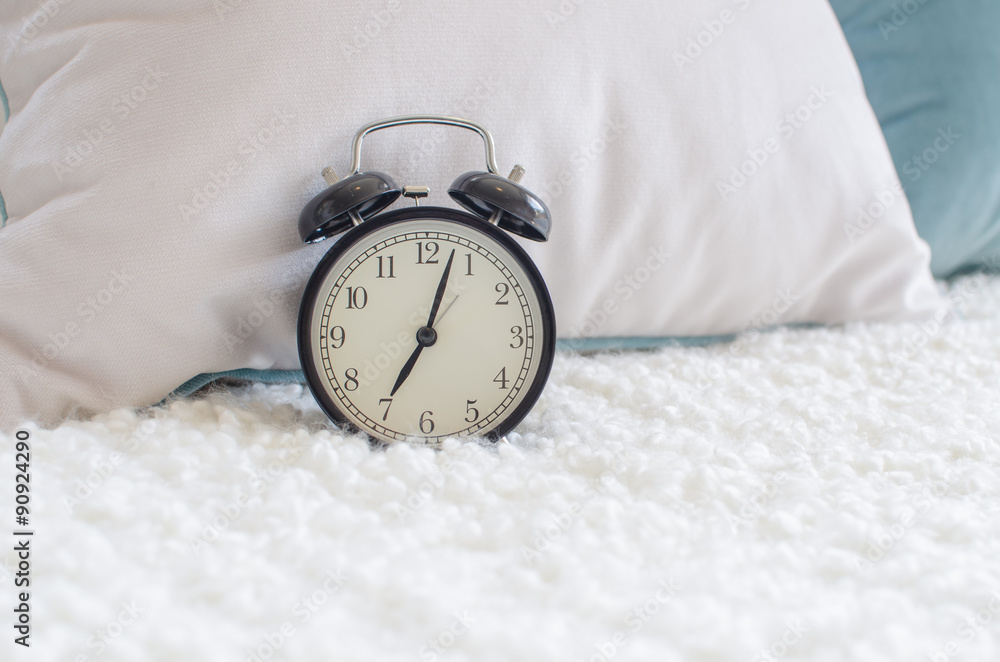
[360,404]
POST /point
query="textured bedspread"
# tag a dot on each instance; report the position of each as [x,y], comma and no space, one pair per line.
[820,494]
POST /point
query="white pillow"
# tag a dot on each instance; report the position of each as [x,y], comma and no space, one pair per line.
[156,159]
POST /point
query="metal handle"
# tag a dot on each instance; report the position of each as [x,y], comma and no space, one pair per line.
[491,163]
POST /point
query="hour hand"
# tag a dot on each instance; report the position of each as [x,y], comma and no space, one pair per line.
[426,336]
[407,368]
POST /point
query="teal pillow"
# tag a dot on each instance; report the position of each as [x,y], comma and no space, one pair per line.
[932,72]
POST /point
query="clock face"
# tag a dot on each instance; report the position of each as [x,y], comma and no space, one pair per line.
[426,323]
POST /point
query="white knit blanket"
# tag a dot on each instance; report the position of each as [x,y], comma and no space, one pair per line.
[821,494]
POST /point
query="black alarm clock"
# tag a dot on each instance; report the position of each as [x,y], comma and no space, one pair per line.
[423,322]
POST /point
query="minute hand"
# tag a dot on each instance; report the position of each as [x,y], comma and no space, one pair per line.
[439,295]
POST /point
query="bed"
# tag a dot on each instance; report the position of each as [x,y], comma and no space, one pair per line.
[779,443]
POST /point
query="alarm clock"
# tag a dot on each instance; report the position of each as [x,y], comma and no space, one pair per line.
[422,322]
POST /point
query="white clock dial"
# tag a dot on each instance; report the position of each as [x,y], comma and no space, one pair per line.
[428,328]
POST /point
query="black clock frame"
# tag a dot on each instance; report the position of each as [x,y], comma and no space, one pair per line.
[397,216]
